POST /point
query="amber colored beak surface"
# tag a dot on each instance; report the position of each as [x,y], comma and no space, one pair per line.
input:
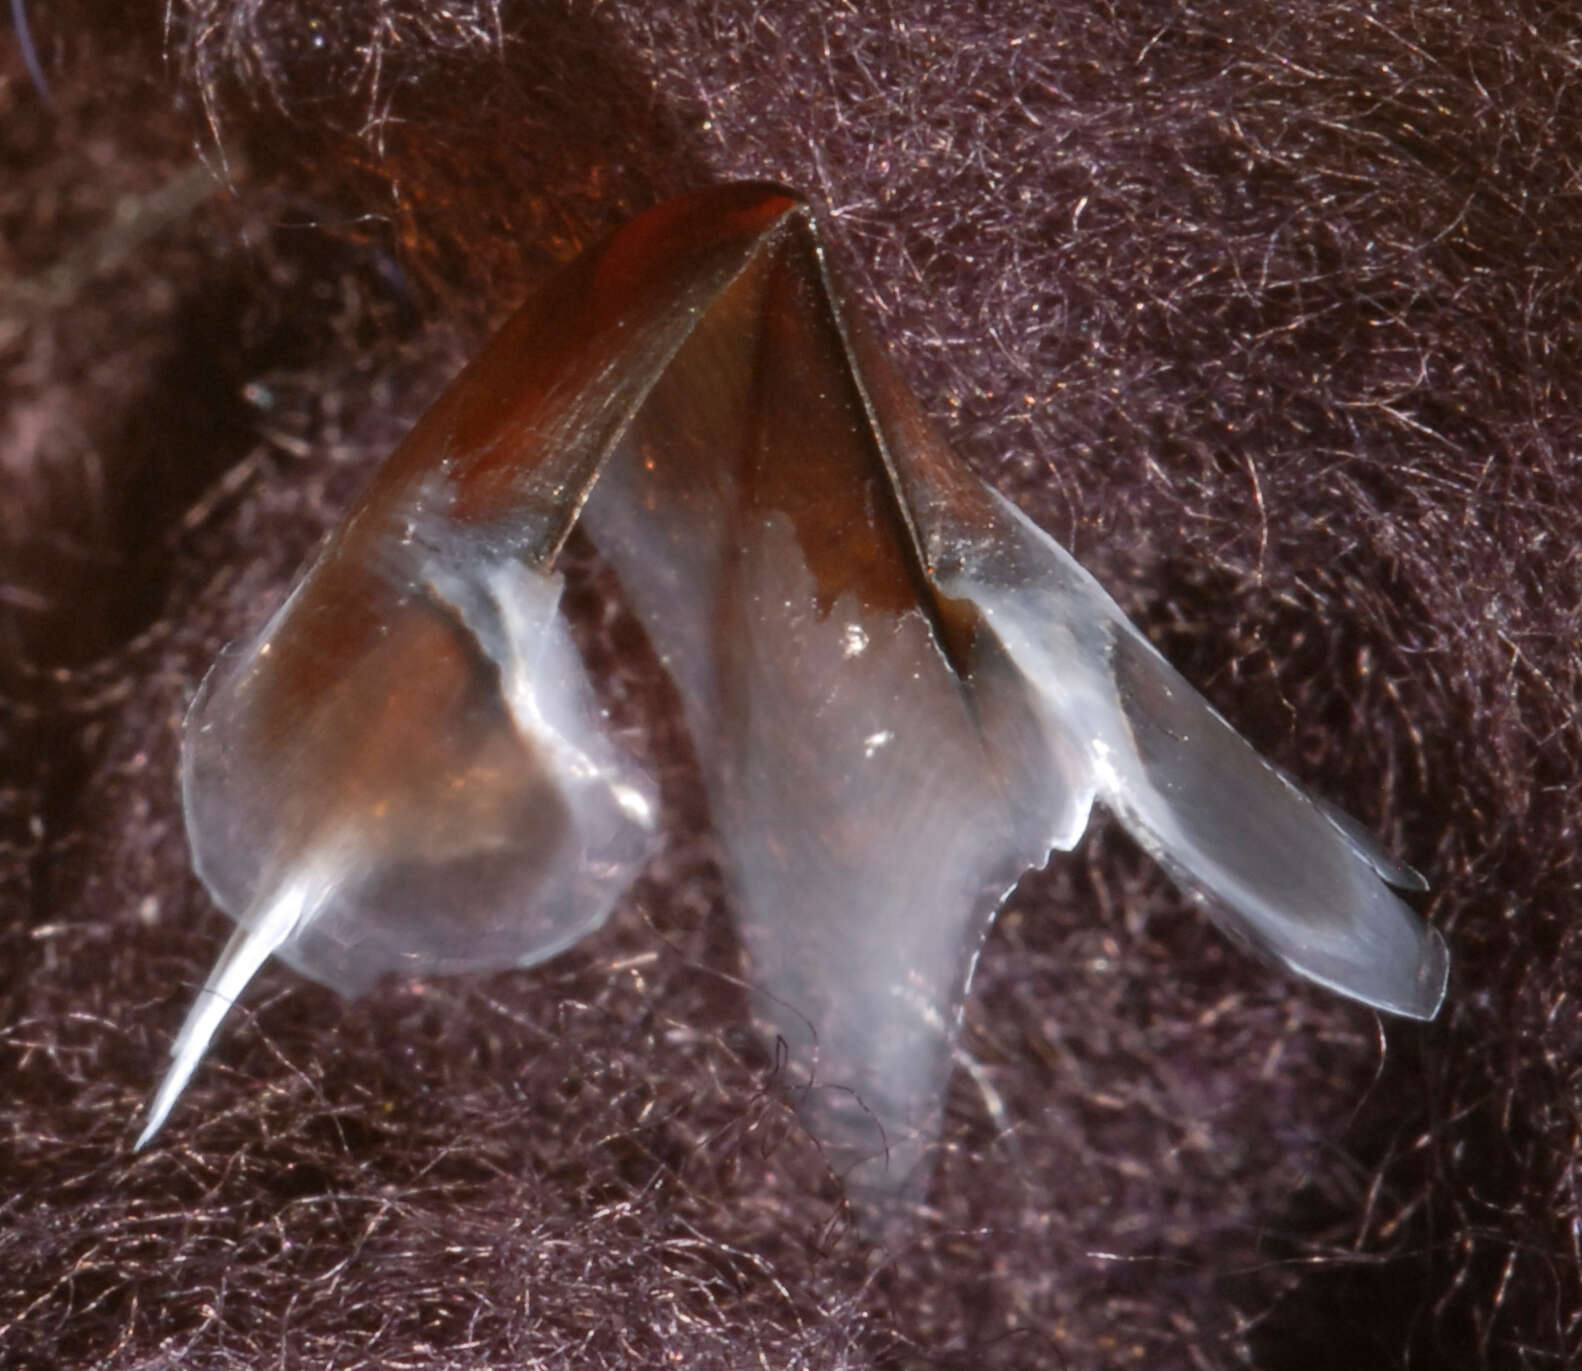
[902,693]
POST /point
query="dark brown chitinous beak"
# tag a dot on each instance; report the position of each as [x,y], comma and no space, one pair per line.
[901,691]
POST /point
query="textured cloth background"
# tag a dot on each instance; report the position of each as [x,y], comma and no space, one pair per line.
[1271,312]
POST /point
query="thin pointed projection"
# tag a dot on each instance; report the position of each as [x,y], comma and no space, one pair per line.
[901,691]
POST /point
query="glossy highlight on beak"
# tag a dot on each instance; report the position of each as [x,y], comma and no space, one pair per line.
[901,691]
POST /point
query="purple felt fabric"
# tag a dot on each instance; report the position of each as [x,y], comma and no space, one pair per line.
[1271,313]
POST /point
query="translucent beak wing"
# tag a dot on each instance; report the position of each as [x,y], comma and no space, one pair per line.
[404,770]
[1279,871]
[902,692]
[1291,876]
